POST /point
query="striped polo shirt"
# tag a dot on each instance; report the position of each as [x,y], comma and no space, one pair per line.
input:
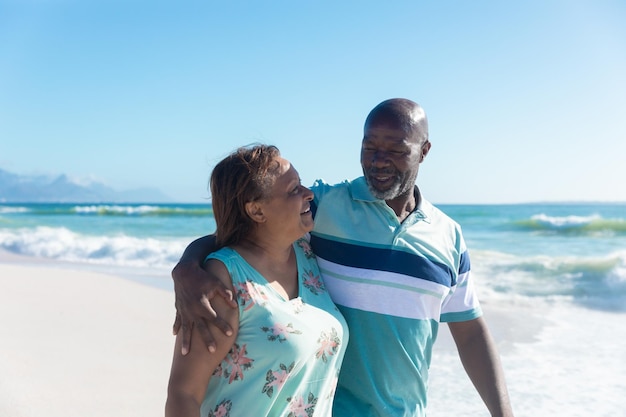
[394,282]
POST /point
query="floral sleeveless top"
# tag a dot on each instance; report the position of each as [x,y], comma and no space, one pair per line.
[286,357]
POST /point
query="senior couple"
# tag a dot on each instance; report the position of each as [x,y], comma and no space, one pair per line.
[379,260]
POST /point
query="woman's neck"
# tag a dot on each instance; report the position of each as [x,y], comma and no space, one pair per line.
[276,263]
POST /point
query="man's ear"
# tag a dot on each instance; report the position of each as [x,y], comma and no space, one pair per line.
[425,150]
[255,211]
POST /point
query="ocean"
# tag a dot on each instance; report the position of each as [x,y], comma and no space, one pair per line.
[570,252]
[551,278]
[137,241]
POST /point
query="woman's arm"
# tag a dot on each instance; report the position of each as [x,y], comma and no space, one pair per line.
[194,290]
[190,374]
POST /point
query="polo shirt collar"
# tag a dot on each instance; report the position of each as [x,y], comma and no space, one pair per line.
[360,192]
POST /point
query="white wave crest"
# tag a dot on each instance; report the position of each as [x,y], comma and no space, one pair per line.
[13,210]
[94,209]
[565,221]
[598,281]
[60,243]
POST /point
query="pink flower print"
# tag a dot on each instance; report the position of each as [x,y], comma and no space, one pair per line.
[313,282]
[236,362]
[243,295]
[299,408]
[256,293]
[328,344]
[306,248]
[276,379]
[279,332]
[297,305]
[280,377]
[222,409]
[219,371]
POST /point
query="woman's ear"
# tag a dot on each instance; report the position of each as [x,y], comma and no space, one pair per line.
[255,211]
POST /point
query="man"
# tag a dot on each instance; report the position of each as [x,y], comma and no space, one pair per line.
[395,266]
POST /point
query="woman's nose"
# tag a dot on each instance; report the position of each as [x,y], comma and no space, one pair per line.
[308,194]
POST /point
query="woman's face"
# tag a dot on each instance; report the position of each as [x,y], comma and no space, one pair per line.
[289,204]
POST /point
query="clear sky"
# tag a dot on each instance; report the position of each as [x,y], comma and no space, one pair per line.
[526,100]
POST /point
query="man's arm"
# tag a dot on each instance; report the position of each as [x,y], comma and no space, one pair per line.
[194,288]
[191,374]
[482,363]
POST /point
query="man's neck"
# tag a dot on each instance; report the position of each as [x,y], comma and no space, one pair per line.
[405,204]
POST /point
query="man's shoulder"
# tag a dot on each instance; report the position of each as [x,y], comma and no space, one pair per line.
[321,188]
[320,182]
[438,218]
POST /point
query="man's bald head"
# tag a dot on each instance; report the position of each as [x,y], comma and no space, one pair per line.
[400,113]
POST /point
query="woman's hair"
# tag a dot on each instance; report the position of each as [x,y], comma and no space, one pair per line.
[244,176]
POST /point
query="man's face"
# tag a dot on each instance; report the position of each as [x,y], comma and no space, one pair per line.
[390,159]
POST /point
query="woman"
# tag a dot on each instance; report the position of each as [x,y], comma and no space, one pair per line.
[289,338]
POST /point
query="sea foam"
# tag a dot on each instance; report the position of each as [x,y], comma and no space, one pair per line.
[60,243]
[596,281]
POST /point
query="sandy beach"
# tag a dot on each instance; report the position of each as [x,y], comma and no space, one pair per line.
[78,343]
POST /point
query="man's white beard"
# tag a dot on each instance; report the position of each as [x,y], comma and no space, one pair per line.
[389,194]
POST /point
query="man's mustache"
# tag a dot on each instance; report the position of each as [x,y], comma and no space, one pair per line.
[385,171]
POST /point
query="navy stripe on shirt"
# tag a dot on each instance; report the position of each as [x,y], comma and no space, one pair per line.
[383,259]
[464,264]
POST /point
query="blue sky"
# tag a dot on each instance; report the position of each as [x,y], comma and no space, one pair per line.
[525,100]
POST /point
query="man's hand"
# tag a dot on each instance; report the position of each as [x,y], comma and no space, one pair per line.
[194,288]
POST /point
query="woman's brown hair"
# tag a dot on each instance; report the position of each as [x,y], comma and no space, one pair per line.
[245,175]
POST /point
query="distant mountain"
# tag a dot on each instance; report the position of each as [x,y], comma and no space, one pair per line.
[40,189]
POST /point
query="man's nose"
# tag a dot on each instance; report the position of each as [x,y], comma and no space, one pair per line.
[380,158]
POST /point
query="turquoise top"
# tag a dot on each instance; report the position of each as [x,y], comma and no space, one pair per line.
[286,357]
